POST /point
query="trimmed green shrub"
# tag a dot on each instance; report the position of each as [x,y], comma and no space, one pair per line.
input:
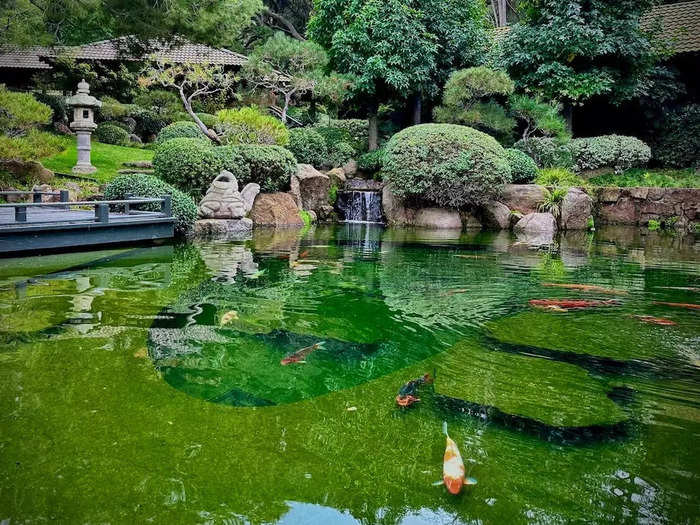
[358,129]
[189,164]
[250,126]
[522,168]
[546,152]
[162,102]
[148,123]
[679,143]
[149,186]
[207,119]
[20,112]
[373,161]
[446,164]
[58,105]
[108,133]
[617,152]
[112,109]
[180,129]
[308,146]
[270,166]
[339,153]
[34,145]
[119,124]
[234,162]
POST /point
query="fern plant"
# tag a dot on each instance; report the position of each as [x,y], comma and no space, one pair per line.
[552,201]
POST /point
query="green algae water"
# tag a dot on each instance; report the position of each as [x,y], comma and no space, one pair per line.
[255,381]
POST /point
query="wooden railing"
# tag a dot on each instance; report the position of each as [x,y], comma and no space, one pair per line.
[63,195]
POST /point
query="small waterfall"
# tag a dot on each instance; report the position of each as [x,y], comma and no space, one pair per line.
[360,206]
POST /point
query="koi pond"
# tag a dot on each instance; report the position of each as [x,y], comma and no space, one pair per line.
[258,381]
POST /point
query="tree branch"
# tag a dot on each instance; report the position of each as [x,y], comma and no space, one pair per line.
[288,26]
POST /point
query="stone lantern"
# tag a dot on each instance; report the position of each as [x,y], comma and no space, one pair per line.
[83,124]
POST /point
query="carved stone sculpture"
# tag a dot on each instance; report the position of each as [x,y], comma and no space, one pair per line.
[224,201]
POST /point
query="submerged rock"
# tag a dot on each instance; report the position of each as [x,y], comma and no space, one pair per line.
[576,210]
[536,223]
[496,216]
[277,210]
[438,218]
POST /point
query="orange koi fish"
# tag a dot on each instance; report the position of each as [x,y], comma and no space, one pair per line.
[679,305]
[586,288]
[567,304]
[408,393]
[300,355]
[304,254]
[453,466]
[654,320]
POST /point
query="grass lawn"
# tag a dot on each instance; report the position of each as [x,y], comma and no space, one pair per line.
[106,158]
[661,178]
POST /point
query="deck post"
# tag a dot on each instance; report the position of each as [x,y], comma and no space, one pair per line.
[21,214]
[64,196]
[127,206]
[36,196]
[102,213]
[166,207]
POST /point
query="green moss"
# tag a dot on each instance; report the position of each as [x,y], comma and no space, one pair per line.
[653,225]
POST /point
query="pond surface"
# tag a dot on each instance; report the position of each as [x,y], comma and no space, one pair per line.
[166,384]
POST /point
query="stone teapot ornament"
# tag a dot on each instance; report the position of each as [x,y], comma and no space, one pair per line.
[224,201]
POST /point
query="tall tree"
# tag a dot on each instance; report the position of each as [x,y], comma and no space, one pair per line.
[573,50]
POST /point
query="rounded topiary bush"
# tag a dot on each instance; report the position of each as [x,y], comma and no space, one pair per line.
[339,153]
[109,133]
[234,162]
[308,146]
[182,129]
[546,152]
[189,164]
[616,152]
[250,126]
[522,167]
[270,166]
[446,164]
[150,186]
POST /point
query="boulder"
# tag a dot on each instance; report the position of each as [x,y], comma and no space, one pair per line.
[525,198]
[358,184]
[222,227]
[135,138]
[310,187]
[27,171]
[222,200]
[337,176]
[515,216]
[536,223]
[276,210]
[350,168]
[576,209]
[496,216]
[469,221]
[622,211]
[395,211]
[248,194]
[438,218]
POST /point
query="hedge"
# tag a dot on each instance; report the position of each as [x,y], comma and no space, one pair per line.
[270,166]
[546,152]
[250,126]
[109,133]
[616,152]
[446,164]
[180,129]
[234,162]
[189,164]
[308,146]
[522,168]
[150,186]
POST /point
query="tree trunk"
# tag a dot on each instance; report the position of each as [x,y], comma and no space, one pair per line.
[417,109]
[373,123]
[287,99]
[188,107]
[568,111]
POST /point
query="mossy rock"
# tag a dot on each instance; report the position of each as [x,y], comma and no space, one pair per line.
[555,394]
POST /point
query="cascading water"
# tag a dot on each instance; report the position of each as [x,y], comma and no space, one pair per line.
[360,206]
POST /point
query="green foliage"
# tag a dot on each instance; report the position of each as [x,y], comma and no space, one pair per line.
[35,145]
[446,164]
[649,178]
[653,225]
[552,201]
[112,109]
[522,168]
[148,123]
[332,194]
[58,106]
[305,217]
[546,152]
[250,126]
[308,146]
[357,132]
[270,166]
[339,153]
[558,178]
[467,86]
[182,129]
[609,151]
[20,112]
[149,186]
[108,133]
[233,161]
[373,161]
[540,118]
[679,143]
[574,49]
[207,119]
[166,104]
[189,164]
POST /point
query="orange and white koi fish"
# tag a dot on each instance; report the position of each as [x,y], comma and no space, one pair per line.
[229,316]
[586,288]
[300,355]
[453,466]
[679,305]
[649,319]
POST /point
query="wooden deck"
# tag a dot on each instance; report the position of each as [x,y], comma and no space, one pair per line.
[43,226]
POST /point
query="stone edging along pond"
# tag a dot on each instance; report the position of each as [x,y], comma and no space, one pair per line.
[636,206]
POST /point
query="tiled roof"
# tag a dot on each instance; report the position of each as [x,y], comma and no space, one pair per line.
[117,49]
[680,24]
